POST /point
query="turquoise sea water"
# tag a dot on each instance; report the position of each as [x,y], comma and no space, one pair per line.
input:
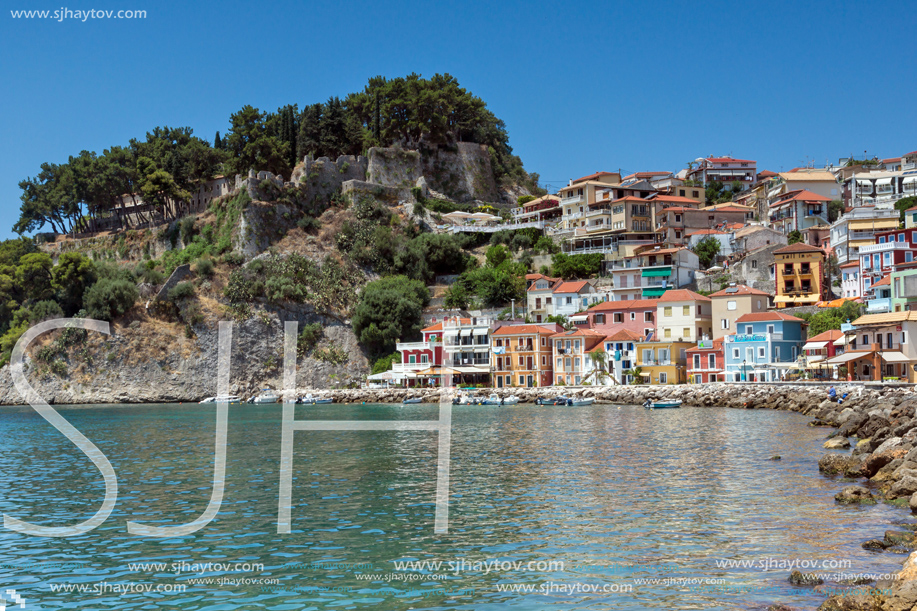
[599,500]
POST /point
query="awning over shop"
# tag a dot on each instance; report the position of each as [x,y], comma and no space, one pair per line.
[847,357]
[894,357]
[815,345]
[472,369]
[385,375]
[645,374]
[654,292]
[841,341]
[436,371]
[660,271]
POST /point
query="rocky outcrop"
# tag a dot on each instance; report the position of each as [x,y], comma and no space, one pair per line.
[854,495]
[156,363]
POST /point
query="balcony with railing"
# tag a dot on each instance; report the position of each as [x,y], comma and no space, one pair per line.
[402,346]
[887,246]
[797,291]
[573,199]
[477,361]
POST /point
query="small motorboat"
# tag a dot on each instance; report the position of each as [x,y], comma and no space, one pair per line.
[650,404]
[222,399]
[463,399]
[583,401]
[312,400]
[558,400]
[412,400]
[266,396]
[497,400]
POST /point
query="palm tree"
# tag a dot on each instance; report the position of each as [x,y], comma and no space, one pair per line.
[635,372]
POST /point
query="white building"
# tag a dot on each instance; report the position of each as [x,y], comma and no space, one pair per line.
[850,280]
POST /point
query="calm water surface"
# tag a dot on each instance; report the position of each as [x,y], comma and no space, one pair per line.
[610,496]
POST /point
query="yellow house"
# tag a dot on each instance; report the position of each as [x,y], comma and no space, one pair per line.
[800,275]
[663,362]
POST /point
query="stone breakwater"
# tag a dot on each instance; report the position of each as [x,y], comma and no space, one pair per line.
[875,439]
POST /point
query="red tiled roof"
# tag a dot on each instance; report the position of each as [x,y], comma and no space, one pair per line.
[594,176]
[911,154]
[706,232]
[851,264]
[891,159]
[571,287]
[631,198]
[742,290]
[885,281]
[766,173]
[803,195]
[911,209]
[624,335]
[682,295]
[765,316]
[797,247]
[521,330]
[553,283]
[828,336]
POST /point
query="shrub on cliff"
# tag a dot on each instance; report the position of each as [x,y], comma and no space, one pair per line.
[390,309]
[109,298]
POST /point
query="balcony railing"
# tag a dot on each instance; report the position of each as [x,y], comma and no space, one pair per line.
[871,248]
[401,346]
[573,199]
[797,292]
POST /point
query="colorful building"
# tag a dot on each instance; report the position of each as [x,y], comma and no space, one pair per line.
[732,302]
[881,347]
[706,362]
[637,315]
[823,346]
[904,288]
[570,349]
[663,362]
[891,251]
[800,275]
[522,355]
[683,315]
[539,297]
[620,355]
[765,346]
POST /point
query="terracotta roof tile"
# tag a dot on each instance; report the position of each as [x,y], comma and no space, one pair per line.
[681,295]
[742,290]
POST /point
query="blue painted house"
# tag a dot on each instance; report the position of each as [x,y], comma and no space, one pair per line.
[765,346]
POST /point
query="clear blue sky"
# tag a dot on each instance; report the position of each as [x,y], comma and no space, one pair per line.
[581,86]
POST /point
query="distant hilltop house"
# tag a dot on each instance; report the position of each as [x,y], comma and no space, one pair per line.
[724,170]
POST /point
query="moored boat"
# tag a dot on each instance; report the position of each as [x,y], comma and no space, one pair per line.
[649,404]
[312,400]
[412,400]
[222,399]
[558,400]
[497,400]
[583,401]
[266,396]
